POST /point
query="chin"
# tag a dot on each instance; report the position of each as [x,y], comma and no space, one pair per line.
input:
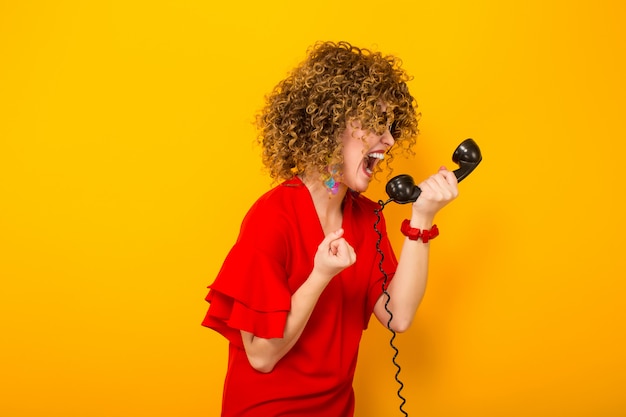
[360,188]
[360,184]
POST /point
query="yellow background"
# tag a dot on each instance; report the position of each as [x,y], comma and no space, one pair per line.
[127,163]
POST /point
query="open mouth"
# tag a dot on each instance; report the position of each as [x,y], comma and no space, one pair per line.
[370,161]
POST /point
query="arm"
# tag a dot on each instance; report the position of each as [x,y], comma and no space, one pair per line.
[333,255]
[407,288]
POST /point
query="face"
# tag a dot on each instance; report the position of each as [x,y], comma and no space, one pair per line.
[363,150]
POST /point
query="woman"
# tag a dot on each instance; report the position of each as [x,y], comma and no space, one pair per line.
[300,284]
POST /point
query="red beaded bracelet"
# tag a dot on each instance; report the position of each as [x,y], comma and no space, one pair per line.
[414,234]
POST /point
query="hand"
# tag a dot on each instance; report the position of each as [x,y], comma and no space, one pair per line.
[437,191]
[333,255]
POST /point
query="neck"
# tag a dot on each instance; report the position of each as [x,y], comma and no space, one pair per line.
[327,205]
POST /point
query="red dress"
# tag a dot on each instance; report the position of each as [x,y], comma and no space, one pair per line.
[272,257]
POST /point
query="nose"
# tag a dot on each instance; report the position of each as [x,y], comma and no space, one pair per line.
[387,139]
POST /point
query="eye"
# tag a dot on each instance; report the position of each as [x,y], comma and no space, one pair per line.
[394,130]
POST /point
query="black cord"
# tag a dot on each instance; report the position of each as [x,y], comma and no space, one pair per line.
[393,333]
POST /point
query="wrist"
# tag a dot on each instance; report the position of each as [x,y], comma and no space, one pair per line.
[415,233]
[422,222]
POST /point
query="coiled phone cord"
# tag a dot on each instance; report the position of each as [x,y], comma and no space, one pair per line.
[393,333]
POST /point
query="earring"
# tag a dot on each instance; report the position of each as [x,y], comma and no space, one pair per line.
[331,183]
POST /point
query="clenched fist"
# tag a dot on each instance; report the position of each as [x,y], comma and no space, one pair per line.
[333,255]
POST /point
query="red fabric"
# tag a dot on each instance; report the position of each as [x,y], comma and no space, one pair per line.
[272,257]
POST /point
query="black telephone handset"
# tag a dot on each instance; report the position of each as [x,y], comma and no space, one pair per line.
[402,190]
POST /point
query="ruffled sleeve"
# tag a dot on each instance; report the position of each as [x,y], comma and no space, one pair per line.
[251,291]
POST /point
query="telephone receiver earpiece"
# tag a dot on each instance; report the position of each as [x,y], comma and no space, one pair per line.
[467,156]
[402,189]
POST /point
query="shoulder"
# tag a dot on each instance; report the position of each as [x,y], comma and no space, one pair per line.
[276,206]
[277,198]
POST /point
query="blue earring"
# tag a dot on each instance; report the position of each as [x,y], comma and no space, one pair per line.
[332,185]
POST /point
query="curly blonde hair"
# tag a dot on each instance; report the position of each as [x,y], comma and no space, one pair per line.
[305,114]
